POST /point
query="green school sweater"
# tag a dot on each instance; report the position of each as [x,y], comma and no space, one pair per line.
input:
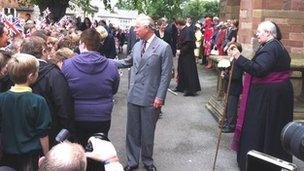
[24,119]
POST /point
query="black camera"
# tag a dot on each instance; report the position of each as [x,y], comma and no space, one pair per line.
[292,139]
[102,136]
[257,161]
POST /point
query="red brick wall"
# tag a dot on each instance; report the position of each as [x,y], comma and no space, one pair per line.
[229,9]
[288,14]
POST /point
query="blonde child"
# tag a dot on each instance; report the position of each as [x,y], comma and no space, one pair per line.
[24,116]
[61,55]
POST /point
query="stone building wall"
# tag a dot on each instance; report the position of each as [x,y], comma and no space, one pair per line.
[19,8]
[229,9]
[288,14]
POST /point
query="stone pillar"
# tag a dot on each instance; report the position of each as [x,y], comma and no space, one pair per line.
[288,14]
[229,9]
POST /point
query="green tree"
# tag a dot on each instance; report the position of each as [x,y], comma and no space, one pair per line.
[155,9]
[200,8]
[86,6]
[212,8]
[58,7]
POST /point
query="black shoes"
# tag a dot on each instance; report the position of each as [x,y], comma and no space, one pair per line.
[130,168]
[189,94]
[227,129]
[177,90]
[148,168]
[151,168]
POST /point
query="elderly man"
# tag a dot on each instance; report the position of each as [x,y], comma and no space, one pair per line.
[151,59]
[267,98]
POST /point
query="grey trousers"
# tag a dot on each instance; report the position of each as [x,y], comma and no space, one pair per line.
[141,122]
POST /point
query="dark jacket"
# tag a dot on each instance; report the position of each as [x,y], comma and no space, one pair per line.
[93,80]
[132,39]
[107,48]
[5,83]
[167,38]
[52,85]
[174,33]
[236,86]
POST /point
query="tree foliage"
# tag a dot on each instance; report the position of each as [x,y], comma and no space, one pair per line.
[57,7]
[85,6]
[155,9]
[200,8]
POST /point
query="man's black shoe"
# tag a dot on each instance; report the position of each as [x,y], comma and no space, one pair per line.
[151,168]
[177,90]
[227,129]
[189,94]
[130,168]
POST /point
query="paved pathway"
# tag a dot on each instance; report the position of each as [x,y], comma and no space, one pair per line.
[186,136]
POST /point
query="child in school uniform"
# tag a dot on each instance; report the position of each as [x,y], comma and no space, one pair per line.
[236,88]
[24,116]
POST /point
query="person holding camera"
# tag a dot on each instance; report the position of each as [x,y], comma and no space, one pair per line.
[234,92]
[67,156]
[267,98]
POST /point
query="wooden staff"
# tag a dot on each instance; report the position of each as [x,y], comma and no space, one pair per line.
[224,114]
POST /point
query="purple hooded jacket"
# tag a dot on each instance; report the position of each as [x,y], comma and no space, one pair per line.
[93,80]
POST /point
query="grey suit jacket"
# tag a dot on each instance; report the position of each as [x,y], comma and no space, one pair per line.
[150,74]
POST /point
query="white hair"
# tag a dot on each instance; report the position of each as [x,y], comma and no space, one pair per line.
[65,156]
[145,20]
[102,31]
[269,27]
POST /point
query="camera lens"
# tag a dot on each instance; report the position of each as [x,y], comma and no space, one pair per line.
[292,139]
[101,136]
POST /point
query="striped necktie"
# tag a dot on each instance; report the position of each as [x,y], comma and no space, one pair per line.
[143,48]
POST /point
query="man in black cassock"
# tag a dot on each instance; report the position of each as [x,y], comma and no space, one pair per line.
[269,96]
[188,81]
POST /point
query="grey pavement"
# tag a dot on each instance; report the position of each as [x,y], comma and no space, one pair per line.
[186,136]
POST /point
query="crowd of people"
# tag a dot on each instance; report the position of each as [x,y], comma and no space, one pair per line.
[65,74]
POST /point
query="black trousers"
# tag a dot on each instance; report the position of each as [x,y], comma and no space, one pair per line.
[232,109]
[84,130]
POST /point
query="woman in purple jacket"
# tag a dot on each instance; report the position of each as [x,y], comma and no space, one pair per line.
[93,80]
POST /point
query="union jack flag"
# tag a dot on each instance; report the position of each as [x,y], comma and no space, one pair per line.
[12,23]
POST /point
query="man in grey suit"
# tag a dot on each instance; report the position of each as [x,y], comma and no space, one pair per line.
[151,61]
